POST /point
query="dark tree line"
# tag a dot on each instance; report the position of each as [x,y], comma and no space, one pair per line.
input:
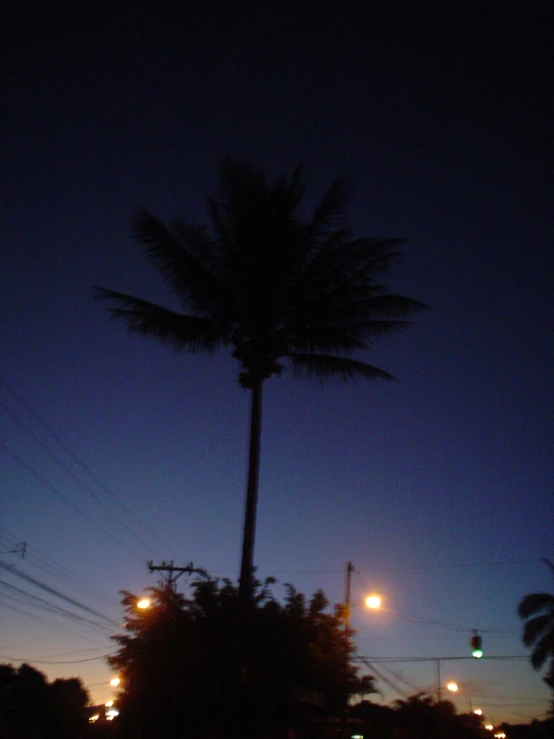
[183,673]
[416,717]
[33,708]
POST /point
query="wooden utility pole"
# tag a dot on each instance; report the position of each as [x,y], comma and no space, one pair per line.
[171,570]
[348,597]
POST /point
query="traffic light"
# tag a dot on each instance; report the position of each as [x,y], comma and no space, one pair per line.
[476,646]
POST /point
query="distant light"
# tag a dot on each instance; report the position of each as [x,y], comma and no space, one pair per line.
[357,736]
[94,718]
[109,704]
[115,681]
[489,727]
[500,735]
[373,601]
[452,687]
[478,712]
[111,714]
[144,603]
[477,653]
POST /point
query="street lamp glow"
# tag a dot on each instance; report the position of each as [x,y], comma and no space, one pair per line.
[108,704]
[452,687]
[489,727]
[373,601]
[478,712]
[144,603]
[114,682]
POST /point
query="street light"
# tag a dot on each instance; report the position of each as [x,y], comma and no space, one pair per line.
[373,601]
[143,603]
[452,687]
[114,682]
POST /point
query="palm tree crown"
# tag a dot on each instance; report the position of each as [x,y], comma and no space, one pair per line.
[274,288]
[538,632]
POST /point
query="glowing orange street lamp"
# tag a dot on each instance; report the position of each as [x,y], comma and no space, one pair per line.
[373,601]
[114,682]
[143,603]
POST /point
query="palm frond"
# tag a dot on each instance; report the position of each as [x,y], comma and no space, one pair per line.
[393,306]
[549,564]
[342,336]
[331,311]
[182,332]
[343,263]
[536,628]
[542,652]
[330,208]
[186,259]
[535,603]
[326,366]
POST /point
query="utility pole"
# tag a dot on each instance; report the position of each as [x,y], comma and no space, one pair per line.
[20,548]
[348,597]
[169,568]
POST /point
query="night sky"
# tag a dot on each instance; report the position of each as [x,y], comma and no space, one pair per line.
[438,488]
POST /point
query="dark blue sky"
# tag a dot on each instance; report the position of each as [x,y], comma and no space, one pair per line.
[439,489]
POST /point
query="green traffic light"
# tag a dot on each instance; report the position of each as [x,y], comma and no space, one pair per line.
[476,644]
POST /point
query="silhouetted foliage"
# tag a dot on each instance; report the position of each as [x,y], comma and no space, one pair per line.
[534,730]
[421,717]
[538,631]
[272,287]
[365,685]
[179,662]
[417,717]
[32,708]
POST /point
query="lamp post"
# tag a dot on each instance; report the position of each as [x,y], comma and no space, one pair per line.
[372,601]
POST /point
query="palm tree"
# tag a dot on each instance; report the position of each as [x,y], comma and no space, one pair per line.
[272,287]
[538,632]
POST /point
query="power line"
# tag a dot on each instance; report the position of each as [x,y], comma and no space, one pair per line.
[57,593]
[401,679]
[52,662]
[56,627]
[46,605]
[67,500]
[82,464]
[48,565]
[72,653]
[411,568]
[382,677]
[113,516]
[507,657]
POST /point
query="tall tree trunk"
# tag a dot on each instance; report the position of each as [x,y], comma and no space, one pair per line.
[249,531]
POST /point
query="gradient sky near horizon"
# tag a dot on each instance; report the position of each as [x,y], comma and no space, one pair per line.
[438,488]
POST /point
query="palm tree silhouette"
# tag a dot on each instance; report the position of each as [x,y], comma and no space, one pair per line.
[538,632]
[271,286]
